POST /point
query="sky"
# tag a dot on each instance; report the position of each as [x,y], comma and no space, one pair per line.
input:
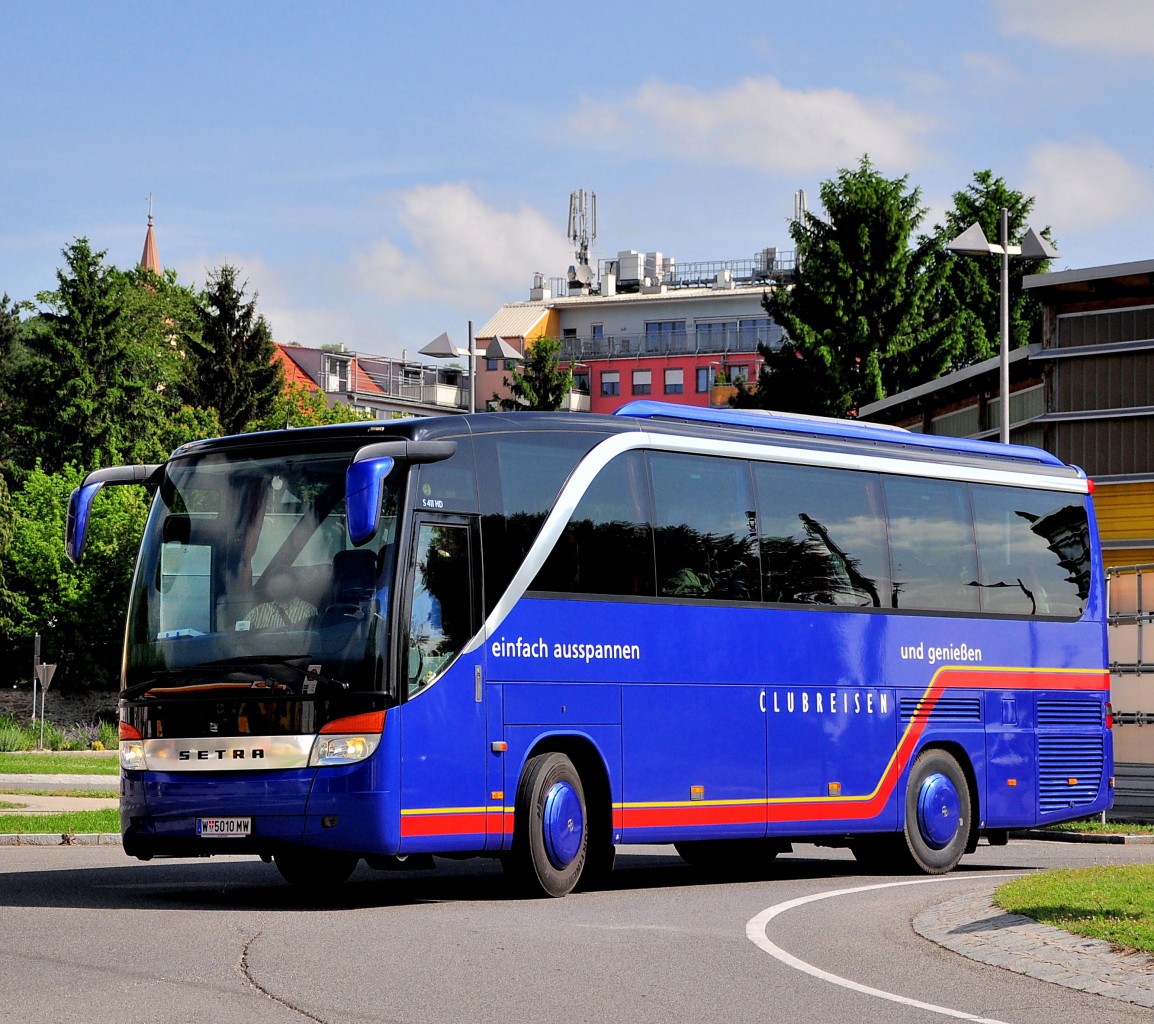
[382,172]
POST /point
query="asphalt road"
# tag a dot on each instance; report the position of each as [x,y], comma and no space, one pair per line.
[89,935]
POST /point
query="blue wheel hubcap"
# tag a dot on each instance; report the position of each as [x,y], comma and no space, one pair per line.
[939,811]
[564,824]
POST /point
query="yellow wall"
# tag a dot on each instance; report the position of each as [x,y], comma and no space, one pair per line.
[1126,514]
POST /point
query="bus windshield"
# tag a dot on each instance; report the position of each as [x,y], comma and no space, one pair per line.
[247,579]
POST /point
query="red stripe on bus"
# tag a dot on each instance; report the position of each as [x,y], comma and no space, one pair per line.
[472,823]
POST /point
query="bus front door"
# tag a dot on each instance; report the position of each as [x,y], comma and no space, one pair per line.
[444,788]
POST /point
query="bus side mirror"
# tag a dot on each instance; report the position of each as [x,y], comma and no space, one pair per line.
[76,528]
[369,466]
[80,501]
[363,497]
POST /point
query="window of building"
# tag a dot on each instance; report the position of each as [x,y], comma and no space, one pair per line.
[737,373]
[581,382]
[491,364]
[703,378]
[610,383]
[716,335]
[642,382]
[674,381]
[758,331]
[665,336]
[337,372]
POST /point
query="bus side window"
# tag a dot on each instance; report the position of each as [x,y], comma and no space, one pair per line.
[823,536]
[441,604]
[607,546]
[705,528]
[932,544]
[1034,551]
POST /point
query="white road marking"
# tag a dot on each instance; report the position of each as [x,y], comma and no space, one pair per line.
[755,932]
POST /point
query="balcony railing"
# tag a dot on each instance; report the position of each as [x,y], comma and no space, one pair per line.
[767,266]
[670,343]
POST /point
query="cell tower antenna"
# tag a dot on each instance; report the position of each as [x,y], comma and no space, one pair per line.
[582,223]
[800,205]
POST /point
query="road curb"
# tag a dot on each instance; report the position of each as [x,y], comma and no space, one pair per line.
[1106,838]
[60,839]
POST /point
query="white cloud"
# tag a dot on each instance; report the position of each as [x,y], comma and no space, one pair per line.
[1105,26]
[301,304]
[1085,185]
[461,251]
[758,123]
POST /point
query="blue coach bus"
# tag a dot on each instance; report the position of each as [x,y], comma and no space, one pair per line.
[538,636]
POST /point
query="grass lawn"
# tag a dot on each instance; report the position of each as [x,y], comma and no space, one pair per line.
[58,764]
[1104,828]
[1111,903]
[71,823]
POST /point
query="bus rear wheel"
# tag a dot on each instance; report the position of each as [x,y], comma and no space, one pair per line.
[938,812]
[318,870]
[551,834]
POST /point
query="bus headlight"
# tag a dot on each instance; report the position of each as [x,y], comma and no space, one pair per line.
[348,740]
[132,755]
[342,749]
[131,748]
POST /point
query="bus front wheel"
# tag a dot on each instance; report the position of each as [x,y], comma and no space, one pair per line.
[937,812]
[551,831]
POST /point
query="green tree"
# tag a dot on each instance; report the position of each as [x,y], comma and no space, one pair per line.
[300,406]
[855,312]
[91,377]
[78,390]
[541,383]
[971,292]
[160,315]
[78,610]
[230,360]
[8,599]
[13,356]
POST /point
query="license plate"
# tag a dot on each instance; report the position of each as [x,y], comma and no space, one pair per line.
[224,828]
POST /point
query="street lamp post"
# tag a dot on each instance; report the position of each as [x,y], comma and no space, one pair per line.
[972,242]
[442,347]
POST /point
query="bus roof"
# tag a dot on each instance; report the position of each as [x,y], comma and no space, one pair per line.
[834,429]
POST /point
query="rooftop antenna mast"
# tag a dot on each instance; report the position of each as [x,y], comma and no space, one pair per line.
[582,223]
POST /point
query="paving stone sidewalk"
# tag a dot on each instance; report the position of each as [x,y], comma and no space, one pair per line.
[974,927]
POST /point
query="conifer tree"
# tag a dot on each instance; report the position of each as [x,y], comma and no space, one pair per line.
[857,302]
[541,383]
[230,361]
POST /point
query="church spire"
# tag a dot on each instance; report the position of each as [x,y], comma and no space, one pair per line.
[149,259]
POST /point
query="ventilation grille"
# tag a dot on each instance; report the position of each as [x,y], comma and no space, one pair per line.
[1069,771]
[945,709]
[1065,713]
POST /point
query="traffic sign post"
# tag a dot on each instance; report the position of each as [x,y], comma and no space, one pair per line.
[44,673]
[35,672]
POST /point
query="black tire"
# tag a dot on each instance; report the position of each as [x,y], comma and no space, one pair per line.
[938,812]
[317,870]
[730,858]
[599,858]
[551,827]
